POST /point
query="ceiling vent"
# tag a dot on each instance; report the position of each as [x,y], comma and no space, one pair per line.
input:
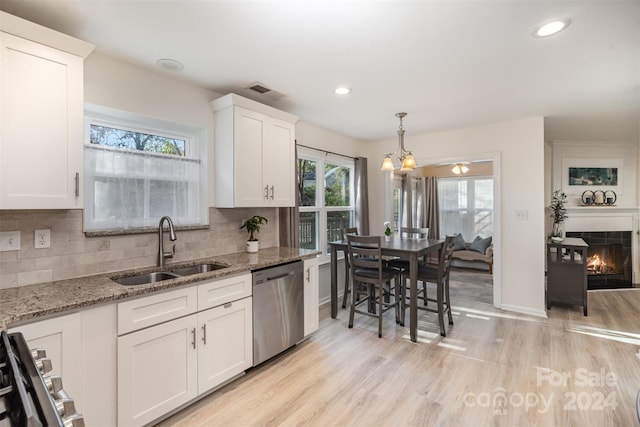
[261,93]
[259,88]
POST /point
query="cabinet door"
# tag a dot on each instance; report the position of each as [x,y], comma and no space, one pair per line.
[311,296]
[41,136]
[279,163]
[221,291]
[157,370]
[99,370]
[226,343]
[61,338]
[248,135]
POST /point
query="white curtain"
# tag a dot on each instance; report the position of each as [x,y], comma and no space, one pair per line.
[125,189]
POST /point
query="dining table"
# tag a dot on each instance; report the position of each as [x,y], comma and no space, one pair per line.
[406,248]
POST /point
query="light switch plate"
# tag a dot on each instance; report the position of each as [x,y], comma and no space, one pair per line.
[9,241]
[522,215]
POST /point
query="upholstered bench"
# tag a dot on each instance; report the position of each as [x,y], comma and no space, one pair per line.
[477,254]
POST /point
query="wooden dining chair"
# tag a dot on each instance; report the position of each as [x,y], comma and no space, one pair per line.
[403,264]
[344,232]
[369,275]
[438,275]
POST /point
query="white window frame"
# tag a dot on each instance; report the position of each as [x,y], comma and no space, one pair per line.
[195,151]
[321,159]
[471,211]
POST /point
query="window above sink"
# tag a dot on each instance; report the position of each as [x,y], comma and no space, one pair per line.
[138,169]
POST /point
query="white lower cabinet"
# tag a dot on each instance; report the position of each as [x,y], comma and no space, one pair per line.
[226,343]
[61,338]
[82,349]
[170,362]
[157,370]
[311,296]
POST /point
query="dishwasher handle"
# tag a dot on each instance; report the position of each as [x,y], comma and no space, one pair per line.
[271,274]
[291,273]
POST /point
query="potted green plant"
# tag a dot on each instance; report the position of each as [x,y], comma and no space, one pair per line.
[387,231]
[558,214]
[253,225]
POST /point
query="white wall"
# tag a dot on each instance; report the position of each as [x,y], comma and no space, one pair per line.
[566,153]
[518,149]
[313,136]
[112,83]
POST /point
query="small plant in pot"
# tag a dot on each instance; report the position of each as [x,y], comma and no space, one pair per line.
[558,214]
[253,225]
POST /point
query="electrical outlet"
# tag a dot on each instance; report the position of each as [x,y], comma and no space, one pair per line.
[42,239]
[9,241]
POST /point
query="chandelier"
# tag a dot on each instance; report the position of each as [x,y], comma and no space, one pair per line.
[407,162]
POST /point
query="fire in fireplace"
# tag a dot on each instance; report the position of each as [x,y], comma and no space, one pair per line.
[608,259]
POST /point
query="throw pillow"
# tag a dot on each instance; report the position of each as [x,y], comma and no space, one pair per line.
[459,243]
[480,245]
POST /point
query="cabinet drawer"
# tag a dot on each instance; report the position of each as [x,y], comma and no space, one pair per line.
[154,309]
[221,291]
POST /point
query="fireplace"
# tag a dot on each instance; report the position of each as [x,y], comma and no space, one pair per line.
[609,258]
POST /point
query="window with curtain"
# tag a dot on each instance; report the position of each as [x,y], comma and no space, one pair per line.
[325,191]
[138,170]
[466,206]
[405,205]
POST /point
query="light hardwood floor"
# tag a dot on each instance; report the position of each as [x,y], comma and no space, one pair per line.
[494,368]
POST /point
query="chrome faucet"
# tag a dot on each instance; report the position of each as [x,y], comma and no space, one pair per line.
[172,236]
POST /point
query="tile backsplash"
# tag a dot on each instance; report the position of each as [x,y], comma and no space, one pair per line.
[72,254]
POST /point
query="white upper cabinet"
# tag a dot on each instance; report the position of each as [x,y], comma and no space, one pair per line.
[254,154]
[41,116]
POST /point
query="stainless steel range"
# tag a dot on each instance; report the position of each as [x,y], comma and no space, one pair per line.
[29,397]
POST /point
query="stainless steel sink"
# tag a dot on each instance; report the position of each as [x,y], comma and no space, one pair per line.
[158,276]
[197,269]
[146,278]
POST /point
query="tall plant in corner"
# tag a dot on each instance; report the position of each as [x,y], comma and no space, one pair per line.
[558,214]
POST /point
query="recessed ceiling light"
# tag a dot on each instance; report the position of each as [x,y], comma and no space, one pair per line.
[170,64]
[551,28]
[342,90]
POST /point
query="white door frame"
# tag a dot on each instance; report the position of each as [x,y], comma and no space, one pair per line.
[494,157]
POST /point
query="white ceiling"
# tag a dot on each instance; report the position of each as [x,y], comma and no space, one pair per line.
[449,64]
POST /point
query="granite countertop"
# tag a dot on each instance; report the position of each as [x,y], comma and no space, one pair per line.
[30,302]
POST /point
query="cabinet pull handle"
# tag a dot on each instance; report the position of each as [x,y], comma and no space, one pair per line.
[227,305]
[204,333]
[77,184]
[309,274]
[193,332]
[272,192]
[266,192]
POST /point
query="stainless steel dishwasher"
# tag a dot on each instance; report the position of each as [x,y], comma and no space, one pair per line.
[278,310]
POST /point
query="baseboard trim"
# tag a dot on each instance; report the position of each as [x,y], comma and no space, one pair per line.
[524,310]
